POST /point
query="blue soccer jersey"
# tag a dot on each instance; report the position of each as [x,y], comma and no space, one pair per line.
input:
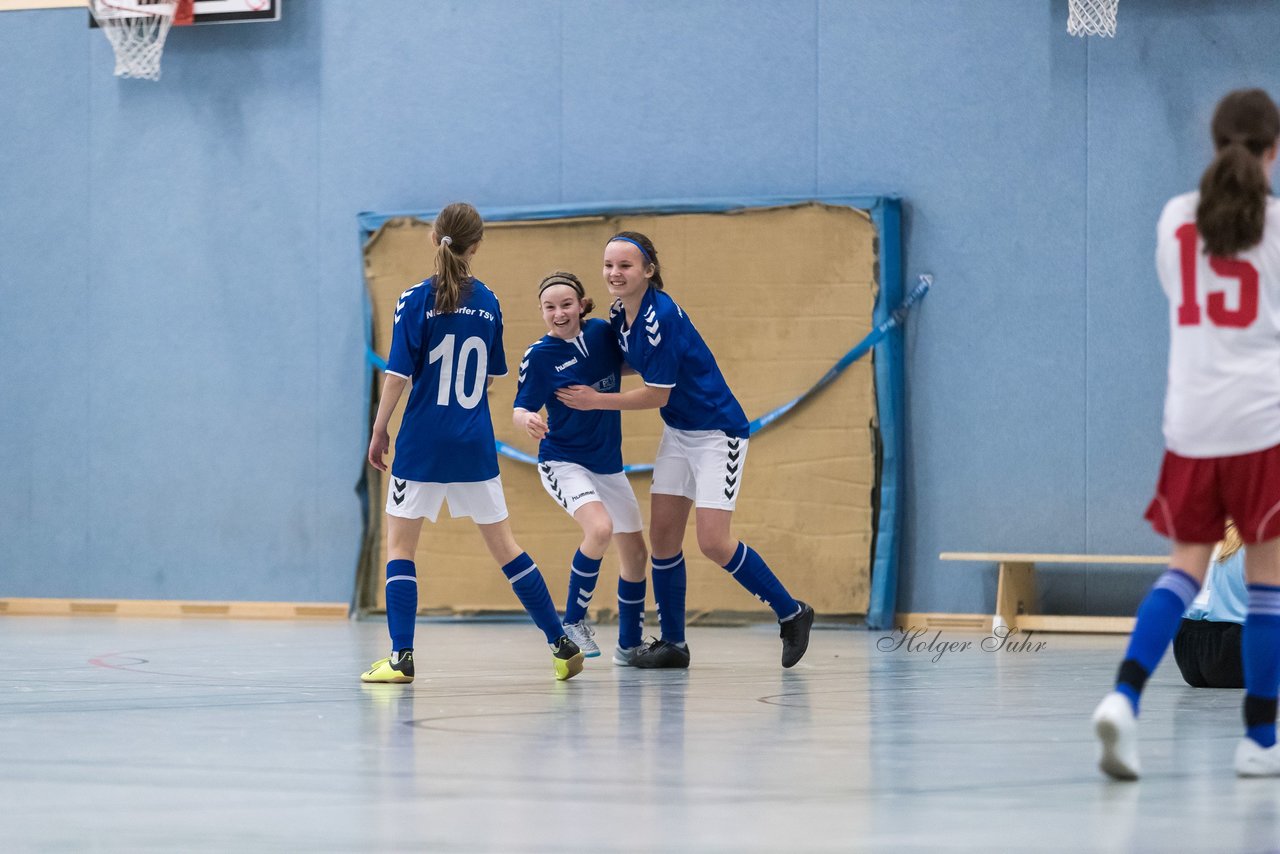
[590,438]
[666,351]
[446,435]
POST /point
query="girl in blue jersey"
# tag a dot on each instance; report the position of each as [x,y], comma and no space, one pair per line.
[701,455]
[580,455]
[447,340]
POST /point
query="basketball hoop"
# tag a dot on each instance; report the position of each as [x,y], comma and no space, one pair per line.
[1091,17]
[137,30]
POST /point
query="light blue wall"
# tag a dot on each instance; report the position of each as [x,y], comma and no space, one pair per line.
[182,391]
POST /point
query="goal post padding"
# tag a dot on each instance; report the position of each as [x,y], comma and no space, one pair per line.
[779,294]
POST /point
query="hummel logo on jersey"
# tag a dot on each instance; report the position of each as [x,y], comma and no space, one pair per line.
[651,327]
[581,494]
[567,364]
[397,494]
[524,362]
[403,297]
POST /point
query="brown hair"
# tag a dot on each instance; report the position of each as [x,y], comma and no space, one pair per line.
[1233,190]
[1231,542]
[559,277]
[646,249]
[457,228]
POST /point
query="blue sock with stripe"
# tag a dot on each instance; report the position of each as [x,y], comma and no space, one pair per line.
[532,592]
[582,586]
[630,612]
[1159,616]
[1260,645]
[669,583]
[750,570]
[402,603]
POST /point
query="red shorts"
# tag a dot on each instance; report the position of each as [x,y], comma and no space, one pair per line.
[1195,496]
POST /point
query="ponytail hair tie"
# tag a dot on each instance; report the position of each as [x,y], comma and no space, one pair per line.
[446,240]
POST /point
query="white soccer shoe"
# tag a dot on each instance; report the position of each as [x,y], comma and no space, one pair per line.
[1117,730]
[583,635]
[627,657]
[1254,760]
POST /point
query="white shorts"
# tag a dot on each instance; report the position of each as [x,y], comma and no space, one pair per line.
[572,486]
[483,501]
[704,465]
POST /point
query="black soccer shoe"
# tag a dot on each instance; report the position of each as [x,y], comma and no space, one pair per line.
[567,658]
[795,635]
[661,654]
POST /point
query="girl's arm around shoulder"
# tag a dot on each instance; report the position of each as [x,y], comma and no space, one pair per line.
[585,398]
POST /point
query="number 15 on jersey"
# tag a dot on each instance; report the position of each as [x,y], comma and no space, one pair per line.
[1244,273]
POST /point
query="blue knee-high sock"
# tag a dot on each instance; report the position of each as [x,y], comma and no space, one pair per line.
[1260,645]
[669,583]
[532,591]
[750,570]
[582,586]
[1158,618]
[402,603]
[630,612]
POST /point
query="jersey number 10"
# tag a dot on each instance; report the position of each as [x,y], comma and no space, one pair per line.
[1227,268]
[443,353]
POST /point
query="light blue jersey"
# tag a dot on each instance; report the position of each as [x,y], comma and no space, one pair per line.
[589,438]
[666,351]
[446,435]
[1224,598]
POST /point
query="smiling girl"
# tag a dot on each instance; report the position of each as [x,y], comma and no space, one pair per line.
[700,457]
[580,455]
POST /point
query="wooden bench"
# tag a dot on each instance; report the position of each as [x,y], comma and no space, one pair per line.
[1016,590]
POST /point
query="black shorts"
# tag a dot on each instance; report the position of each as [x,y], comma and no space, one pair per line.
[1208,654]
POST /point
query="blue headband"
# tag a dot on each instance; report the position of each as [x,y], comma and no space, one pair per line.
[636,245]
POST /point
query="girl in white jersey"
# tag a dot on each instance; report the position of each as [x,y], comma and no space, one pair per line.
[1218,258]
[447,340]
[700,458]
[580,454]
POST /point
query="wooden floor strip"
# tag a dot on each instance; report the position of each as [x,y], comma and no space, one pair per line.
[170,608]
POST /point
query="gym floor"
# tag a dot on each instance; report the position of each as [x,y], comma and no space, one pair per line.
[190,735]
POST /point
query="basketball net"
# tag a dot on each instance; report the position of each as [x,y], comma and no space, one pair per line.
[137,29]
[1091,17]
